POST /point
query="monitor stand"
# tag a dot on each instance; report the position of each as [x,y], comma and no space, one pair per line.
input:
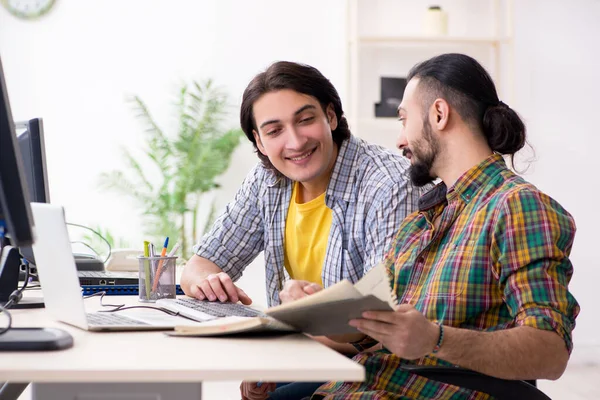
[25,339]
[35,339]
[10,263]
[26,302]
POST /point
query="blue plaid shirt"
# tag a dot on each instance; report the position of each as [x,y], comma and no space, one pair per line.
[369,194]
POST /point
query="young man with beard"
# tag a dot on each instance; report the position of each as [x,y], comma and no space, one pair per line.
[480,273]
[323,205]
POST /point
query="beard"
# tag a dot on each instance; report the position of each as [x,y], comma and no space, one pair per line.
[425,152]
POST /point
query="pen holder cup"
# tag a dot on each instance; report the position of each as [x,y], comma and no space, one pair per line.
[157,278]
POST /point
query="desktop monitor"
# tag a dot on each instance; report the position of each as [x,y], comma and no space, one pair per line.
[30,135]
[14,199]
[15,211]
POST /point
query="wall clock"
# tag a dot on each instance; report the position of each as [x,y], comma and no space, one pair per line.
[28,9]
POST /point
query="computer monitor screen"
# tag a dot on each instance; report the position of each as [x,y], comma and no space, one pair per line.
[14,199]
[30,135]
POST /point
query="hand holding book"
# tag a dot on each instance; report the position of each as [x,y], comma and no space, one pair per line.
[326,313]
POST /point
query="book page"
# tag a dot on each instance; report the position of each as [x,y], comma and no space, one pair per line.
[231,324]
[340,291]
[218,322]
[376,283]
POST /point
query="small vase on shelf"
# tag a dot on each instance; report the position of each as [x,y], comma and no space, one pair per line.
[435,22]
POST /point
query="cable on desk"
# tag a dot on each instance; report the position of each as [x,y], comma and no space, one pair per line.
[5,329]
[122,307]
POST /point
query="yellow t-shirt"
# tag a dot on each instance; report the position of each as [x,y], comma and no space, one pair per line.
[307,227]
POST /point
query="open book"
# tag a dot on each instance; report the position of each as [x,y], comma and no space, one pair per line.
[324,313]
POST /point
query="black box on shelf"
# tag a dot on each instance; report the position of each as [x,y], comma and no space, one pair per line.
[392,90]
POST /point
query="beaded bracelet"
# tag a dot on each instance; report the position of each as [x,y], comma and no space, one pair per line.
[440,339]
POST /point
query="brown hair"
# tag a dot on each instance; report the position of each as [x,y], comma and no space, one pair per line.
[300,78]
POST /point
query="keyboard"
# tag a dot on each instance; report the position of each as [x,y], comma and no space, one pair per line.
[106,319]
[205,310]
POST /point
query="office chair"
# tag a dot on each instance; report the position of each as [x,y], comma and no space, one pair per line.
[500,389]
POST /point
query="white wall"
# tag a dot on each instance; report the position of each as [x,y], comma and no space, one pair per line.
[556,91]
[76,66]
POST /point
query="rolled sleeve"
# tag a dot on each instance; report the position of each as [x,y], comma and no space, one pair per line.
[548,320]
[237,236]
[532,243]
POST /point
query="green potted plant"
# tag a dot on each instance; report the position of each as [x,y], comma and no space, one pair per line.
[176,171]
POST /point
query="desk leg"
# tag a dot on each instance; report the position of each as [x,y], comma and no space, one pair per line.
[11,390]
[116,391]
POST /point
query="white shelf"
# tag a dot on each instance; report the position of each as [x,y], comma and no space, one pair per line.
[370,40]
[378,46]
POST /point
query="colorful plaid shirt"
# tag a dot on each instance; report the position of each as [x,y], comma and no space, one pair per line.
[369,194]
[498,259]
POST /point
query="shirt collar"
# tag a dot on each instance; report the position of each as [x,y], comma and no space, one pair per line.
[433,197]
[466,186]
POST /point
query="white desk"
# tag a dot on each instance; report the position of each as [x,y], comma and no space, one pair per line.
[154,357]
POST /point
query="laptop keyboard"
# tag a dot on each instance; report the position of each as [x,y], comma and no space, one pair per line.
[106,319]
[217,310]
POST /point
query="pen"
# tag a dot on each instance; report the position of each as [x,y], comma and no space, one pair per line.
[147,268]
[174,250]
[163,253]
[164,249]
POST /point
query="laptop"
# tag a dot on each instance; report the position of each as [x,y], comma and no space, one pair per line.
[60,283]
